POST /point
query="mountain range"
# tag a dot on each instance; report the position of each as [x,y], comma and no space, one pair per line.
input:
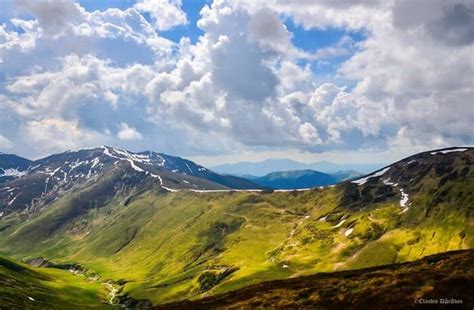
[300,179]
[271,165]
[35,184]
[104,227]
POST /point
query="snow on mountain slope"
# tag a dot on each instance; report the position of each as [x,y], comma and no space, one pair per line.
[410,175]
[12,166]
[47,178]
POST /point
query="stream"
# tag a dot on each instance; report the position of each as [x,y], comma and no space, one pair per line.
[112,293]
[113,288]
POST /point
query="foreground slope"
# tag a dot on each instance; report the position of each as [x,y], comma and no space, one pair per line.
[25,287]
[446,278]
[164,246]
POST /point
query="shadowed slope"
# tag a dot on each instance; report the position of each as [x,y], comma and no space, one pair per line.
[448,276]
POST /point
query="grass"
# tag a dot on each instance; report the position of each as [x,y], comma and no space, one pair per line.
[164,246]
[25,287]
[443,276]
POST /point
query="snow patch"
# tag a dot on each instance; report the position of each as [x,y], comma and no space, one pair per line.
[404,199]
[76,164]
[173,190]
[389,182]
[373,175]
[13,200]
[339,224]
[224,190]
[12,172]
[293,190]
[189,168]
[127,155]
[449,151]
[348,231]
[95,162]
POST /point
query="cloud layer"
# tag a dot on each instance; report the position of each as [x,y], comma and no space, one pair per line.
[73,78]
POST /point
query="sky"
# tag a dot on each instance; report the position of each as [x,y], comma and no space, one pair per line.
[366,81]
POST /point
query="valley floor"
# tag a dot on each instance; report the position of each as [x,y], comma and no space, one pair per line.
[26,287]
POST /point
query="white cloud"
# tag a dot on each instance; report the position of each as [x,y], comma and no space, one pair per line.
[166,13]
[5,143]
[128,133]
[53,135]
[309,134]
[266,28]
[242,85]
[53,16]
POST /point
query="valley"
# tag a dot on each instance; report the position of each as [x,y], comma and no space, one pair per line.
[161,242]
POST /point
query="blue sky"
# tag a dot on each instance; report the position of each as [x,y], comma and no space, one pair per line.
[230,80]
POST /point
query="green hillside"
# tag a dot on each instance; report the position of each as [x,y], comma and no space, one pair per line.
[446,278]
[25,287]
[163,246]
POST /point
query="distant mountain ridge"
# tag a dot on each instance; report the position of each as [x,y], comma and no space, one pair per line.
[299,179]
[271,165]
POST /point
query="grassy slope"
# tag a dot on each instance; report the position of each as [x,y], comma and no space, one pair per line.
[25,287]
[161,243]
[170,246]
[447,275]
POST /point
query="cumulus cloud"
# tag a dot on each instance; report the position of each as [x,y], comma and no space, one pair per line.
[128,133]
[309,134]
[243,84]
[51,135]
[5,143]
[266,28]
[449,22]
[53,16]
[166,13]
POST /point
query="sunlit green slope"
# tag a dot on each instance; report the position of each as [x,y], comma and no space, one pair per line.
[25,287]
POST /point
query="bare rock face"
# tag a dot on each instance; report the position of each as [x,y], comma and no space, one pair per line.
[39,262]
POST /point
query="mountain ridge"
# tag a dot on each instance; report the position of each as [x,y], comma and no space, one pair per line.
[296,179]
[45,179]
[270,165]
